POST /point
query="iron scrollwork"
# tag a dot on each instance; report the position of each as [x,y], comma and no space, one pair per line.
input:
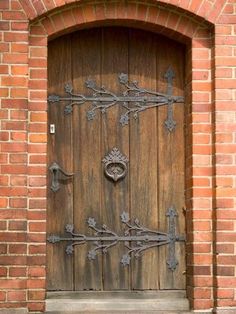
[56,170]
[115,165]
[134,99]
[136,238]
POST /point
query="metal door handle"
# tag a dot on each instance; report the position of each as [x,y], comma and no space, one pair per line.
[55,169]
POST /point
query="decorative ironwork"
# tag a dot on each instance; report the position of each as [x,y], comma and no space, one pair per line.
[115,165]
[134,100]
[170,124]
[136,238]
[55,170]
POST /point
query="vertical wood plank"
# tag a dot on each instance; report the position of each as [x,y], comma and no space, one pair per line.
[115,196]
[86,54]
[143,156]
[60,204]
[171,161]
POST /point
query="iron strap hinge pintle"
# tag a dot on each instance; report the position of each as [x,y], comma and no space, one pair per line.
[136,238]
[134,99]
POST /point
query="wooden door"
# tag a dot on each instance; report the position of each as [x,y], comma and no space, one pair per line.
[100,63]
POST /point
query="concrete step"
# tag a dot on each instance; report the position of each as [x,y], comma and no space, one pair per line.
[119,312]
[138,302]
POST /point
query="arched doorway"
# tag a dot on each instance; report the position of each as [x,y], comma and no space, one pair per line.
[127,159]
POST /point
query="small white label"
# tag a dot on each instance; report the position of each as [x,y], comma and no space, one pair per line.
[52,128]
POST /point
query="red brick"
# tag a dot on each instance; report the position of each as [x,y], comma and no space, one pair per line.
[4,47]
[3,250]
[4,5]
[3,69]
[14,283]
[17,271]
[13,15]
[3,225]
[14,125]
[38,74]
[225,271]
[2,296]
[15,5]
[18,158]
[201,225]
[4,180]
[14,169]
[4,25]
[18,225]
[37,204]
[18,202]
[225,293]
[19,26]
[37,249]
[39,306]
[15,47]
[4,92]
[18,248]
[36,283]
[37,181]
[18,136]
[36,295]
[18,180]
[36,237]
[13,147]
[37,271]
[19,92]
[15,37]
[15,103]
[3,271]
[225,248]
[37,227]
[16,295]
[15,58]
[37,215]
[38,159]
[226,260]
[201,248]
[13,191]
[4,136]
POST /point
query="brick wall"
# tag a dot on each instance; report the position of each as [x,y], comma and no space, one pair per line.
[208,28]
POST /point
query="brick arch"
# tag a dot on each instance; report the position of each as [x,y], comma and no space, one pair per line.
[207,10]
[175,24]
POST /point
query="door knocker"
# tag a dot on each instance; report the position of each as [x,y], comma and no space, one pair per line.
[115,165]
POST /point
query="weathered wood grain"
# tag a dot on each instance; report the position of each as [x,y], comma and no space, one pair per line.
[86,56]
[60,204]
[143,157]
[171,162]
[115,196]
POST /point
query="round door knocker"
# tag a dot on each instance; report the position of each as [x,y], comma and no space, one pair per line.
[115,165]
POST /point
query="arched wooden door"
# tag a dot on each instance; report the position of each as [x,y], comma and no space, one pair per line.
[127,158]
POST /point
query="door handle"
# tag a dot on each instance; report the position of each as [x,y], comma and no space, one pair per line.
[55,169]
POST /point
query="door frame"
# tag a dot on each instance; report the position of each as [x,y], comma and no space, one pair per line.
[41,31]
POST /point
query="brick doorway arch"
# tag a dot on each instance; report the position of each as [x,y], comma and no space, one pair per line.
[195,33]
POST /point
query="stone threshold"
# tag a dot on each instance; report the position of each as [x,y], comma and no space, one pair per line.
[168,301]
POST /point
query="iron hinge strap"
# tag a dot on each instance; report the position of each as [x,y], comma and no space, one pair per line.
[136,238]
[134,100]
